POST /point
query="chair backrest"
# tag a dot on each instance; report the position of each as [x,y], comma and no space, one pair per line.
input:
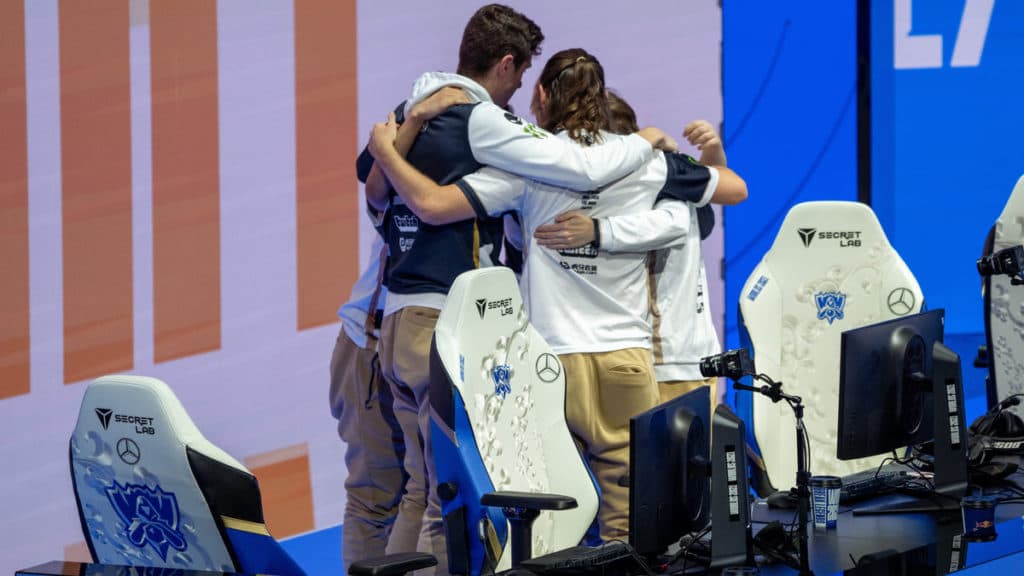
[153,492]
[1004,308]
[498,401]
[830,269]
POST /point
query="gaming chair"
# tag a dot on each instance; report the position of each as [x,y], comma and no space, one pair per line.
[499,431]
[831,268]
[153,492]
[1004,303]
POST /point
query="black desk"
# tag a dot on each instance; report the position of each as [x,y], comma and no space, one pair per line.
[917,538]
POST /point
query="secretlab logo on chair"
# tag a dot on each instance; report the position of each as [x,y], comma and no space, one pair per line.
[504,306]
[104,415]
[847,238]
[807,235]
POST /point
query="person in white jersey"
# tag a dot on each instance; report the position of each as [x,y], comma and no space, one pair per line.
[590,306]
[683,329]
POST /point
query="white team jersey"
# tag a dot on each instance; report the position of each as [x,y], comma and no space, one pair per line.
[684,331]
[581,300]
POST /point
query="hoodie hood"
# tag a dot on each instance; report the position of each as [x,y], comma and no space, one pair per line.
[431,82]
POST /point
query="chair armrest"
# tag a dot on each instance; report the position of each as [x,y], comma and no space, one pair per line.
[528,500]
[392,564]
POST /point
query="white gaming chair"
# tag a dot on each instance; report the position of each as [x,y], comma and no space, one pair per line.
[498,400]
[1004,308]
[830,269]
[153,492]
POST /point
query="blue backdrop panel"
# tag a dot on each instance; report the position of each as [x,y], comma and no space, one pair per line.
[946,126]
[790,103]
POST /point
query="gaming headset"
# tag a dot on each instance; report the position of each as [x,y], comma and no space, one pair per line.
[996,441]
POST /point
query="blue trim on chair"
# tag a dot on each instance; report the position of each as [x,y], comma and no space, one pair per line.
[461,464]
[259,553]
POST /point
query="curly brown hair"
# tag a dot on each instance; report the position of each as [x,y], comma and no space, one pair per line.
[576,99]
[492,32]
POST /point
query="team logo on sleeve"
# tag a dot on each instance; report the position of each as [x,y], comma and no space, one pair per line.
[528,128]
[831,305]
[150,516]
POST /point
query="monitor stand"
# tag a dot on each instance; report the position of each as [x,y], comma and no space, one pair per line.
[951,479]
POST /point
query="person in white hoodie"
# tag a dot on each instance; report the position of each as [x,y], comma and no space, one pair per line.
[498,45]
[590,306]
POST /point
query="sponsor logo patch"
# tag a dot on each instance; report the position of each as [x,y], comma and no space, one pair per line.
[901,301]
[548,367]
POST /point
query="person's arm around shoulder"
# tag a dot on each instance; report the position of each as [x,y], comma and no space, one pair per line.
[503,140]
[666,226]
[425,110]
[434,204]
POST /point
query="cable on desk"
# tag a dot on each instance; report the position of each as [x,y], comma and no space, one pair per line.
[636,557]
[685,548]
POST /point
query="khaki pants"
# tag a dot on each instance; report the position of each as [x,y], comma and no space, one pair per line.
[602,392]
[361,401]
[406,336]
[676,388]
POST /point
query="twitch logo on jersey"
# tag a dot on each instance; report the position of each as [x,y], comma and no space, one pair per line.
[831,305]
[150,516]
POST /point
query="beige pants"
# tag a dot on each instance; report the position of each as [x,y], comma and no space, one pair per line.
[361,401]
[602,392]
[676,388]
[405,362]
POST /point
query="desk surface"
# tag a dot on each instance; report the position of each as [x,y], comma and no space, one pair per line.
[893,543]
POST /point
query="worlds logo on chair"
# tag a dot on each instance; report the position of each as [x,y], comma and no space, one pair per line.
[830,305]
[150,516]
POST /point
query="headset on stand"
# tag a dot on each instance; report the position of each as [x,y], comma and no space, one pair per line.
[996,441]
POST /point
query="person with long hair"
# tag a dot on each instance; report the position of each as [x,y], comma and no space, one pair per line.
[590,306]
[683,329]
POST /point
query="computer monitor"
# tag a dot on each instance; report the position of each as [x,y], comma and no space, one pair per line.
[731,542]
[899,386]
[668,472]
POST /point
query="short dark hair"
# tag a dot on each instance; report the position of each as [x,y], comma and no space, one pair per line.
[577,101]
[494,31]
